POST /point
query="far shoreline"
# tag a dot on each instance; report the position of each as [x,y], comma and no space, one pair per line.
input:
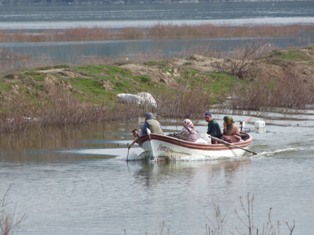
[119,24]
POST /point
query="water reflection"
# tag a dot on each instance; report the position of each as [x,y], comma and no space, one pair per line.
[81,183]
[109,140]
[47,144]
[150,174]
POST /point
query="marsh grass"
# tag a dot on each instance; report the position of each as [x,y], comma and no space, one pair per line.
[158,31]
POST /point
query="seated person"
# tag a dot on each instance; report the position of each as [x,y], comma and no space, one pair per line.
[213,128]
[187,133]
[152,124]
[231,132]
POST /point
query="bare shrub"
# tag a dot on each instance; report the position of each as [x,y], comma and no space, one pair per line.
[242,63]
[288,89]
[269,228]
[59,110]
[217,226]
[184,103]
[8,220]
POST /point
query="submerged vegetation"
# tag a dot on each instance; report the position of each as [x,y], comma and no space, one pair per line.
[253,77]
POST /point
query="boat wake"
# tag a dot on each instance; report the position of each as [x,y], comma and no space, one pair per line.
[285,150]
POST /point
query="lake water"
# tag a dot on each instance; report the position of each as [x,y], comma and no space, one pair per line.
[76,180]
[36,18]
[78,52]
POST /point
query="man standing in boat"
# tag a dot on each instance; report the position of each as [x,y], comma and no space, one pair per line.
[213,127]
[152,124]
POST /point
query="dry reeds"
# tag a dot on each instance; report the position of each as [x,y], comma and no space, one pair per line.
[288,90]
[184,103]
[158,31]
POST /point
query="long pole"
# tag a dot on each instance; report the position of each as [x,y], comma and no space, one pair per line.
[231,145]
[127,156]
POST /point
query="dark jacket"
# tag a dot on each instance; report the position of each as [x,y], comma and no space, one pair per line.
[213,129]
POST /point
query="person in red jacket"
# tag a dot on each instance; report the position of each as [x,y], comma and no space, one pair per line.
[231,132]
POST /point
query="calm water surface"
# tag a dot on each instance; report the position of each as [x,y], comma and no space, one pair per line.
[76,181]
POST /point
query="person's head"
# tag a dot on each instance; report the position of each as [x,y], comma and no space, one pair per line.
[188,123]
[149,115]
[135,132]
[228,120]
[208,116]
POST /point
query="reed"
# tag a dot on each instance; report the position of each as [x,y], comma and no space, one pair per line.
[158,31]
[287,88]
[8,219]
[183,102]
[246,222]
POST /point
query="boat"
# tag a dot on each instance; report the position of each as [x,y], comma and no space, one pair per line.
[167,147]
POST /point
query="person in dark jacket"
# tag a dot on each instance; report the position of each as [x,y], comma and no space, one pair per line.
[213,127]
[152,124]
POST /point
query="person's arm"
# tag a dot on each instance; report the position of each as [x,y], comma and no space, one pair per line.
[133,142]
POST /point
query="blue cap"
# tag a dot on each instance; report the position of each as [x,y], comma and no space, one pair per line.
[208,114]
[149,116]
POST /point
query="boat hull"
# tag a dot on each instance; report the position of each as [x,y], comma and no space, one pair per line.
[173,148]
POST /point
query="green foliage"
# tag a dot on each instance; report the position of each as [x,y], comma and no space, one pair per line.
[215,83]
[290,55]
[5,86]
[158,64]
[311,63]
[222,83]
[87,85]
[34,75]
[89,90]
[144,79]
[102,71]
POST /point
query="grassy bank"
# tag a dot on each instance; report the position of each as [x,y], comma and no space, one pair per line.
[250,78]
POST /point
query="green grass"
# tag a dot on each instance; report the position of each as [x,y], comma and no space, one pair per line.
[33,75]
[5,86]
[311,63]
[89,90]
[221,83]
[290,55]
